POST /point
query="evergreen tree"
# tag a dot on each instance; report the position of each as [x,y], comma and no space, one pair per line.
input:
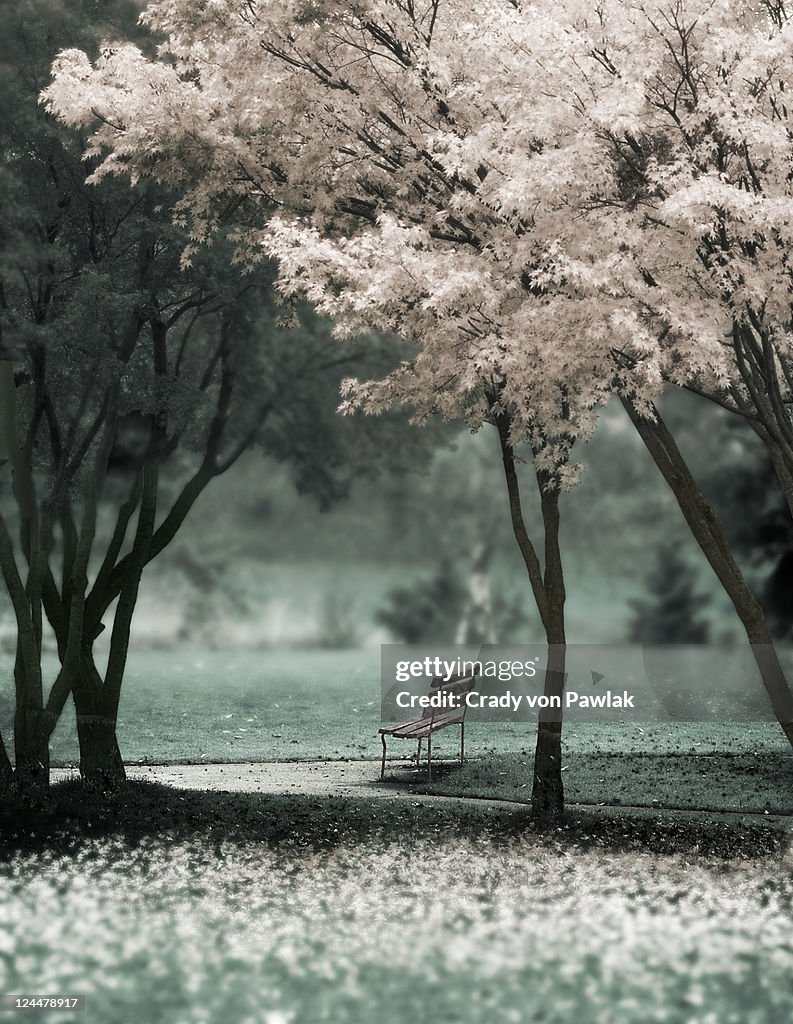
[671,612]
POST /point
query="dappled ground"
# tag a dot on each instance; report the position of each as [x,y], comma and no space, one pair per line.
[185,907]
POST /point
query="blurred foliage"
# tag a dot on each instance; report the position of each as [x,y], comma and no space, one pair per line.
[433,608]
[339,628]
[428,610]
[432,519]
[671,611]
[758,521]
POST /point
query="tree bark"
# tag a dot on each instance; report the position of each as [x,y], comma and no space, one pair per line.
[706,528]
[31,740]
[547,795]
[6,772]
[101,765]
[32,759]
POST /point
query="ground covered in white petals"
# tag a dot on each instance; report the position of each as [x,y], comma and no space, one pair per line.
[413,925]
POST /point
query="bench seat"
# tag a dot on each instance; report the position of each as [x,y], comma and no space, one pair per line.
[432,719]
[422,726]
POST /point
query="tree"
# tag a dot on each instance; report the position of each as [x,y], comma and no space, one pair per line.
[141,378]
[694,138]
[39,199]
[117,381]
[484,183]
[356,99]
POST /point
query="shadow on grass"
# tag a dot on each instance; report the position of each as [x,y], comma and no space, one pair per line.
[148,810]
[745,783]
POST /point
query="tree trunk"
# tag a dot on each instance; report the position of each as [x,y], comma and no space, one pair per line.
[101,765]
[6,772]
[31,755]
[96,699]
[707,530]
[31,739]
[547,795]
[547,583]
[772,675]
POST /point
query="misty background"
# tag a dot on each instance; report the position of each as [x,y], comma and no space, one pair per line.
[427,554]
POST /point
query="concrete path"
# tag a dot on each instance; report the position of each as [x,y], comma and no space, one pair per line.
[309,778]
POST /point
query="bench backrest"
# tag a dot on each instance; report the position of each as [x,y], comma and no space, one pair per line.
[455,686]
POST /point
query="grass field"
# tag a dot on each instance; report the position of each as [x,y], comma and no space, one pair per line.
[289,705]
[296,705]
[187,908]
[743,782]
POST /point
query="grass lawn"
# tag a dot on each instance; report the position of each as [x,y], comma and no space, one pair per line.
[188,908]
[751,782]
[307,705]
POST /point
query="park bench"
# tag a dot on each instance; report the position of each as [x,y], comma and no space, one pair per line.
[433,719]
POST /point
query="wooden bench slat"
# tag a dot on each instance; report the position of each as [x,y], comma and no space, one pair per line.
[438,722]
[439,681]
[424,726]
[388,729]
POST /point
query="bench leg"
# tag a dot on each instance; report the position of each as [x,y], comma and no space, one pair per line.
[382,763]
[429,758]
[418,753]
[462,742]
